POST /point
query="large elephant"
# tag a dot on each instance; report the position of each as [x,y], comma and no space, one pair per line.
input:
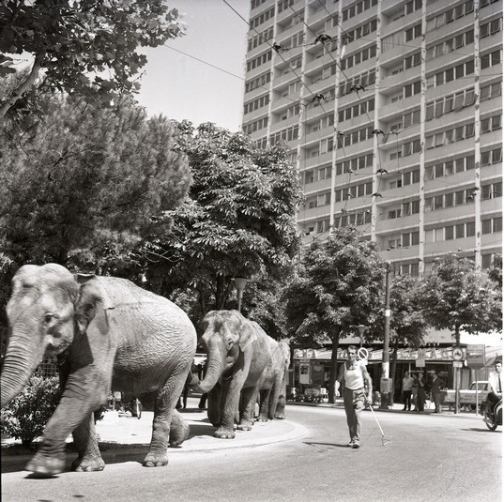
[107,334]
[238,354]
[273,383]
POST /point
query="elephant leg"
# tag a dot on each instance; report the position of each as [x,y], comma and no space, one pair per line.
[264,405]
[231,404]
[80,397]
[86,444]
[164,410]
[215,405]
[249,399]
[279,408]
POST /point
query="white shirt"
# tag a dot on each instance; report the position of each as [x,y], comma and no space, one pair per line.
[493,380]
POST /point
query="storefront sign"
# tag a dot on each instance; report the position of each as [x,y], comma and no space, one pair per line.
[475,356]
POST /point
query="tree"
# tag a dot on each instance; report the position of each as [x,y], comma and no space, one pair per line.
[238,220]
[81,47]
[81,188]
[408,325]
[339,284]
[456,296]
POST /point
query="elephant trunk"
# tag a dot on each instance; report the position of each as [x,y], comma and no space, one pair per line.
[216,365]
[21,360]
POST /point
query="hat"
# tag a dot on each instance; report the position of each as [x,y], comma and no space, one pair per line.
[498,360]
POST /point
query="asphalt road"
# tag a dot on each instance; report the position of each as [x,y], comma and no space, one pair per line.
[428,458]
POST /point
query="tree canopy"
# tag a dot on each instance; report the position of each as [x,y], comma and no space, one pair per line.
[339,284]
[237,221]
[81,47]
[456,296]
[85,183]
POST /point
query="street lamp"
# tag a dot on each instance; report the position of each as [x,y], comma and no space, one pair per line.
[360,329]
[240,284]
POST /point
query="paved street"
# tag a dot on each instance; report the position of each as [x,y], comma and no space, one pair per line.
[429,458]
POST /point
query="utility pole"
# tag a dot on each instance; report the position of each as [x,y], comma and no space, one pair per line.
[386,387]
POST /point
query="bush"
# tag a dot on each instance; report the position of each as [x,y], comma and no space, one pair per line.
[26,416]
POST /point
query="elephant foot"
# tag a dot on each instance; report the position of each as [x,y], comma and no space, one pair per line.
[88,464]
[280,416]
[45,466]
[245,427]
[224,433]
[155,460]
[262,418]
[179,432]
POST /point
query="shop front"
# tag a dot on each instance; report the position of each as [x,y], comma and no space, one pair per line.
[311,367]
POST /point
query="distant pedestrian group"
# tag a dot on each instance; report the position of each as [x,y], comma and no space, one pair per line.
[416,391]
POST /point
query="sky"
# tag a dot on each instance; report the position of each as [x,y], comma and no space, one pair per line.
[180,87]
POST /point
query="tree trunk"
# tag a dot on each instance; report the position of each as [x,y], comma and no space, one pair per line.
[394,366]
[333,374]
[220,293]
[457,336]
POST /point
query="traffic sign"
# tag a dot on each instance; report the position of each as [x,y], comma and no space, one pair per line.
[458,354]
[457,364]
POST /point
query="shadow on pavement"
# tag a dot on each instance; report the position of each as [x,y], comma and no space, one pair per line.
[326,444]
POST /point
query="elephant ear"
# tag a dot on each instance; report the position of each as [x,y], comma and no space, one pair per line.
[91,298]
[248,334]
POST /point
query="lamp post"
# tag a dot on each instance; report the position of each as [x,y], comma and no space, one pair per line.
[386,387]
[360,329]
[240,284]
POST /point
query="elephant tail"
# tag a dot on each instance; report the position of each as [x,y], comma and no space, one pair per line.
[179,429]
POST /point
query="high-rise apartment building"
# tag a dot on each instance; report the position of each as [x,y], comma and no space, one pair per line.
[392,113]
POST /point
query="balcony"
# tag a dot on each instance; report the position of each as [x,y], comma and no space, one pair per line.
[454,27]
[402,105]
[398,193]
[491,138]
[399,254]
[493,172]
[464,180]
[398,53]
[449,214]
[491,206]
[287,13]
[317,135]
[432,249]
[316,161]
[354,150]
[314,212]
[397,224]
[280,103]
[317,186]
[256,114]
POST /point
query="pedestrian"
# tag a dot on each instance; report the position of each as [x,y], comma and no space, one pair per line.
[407,385]
[357,387]
[437,385]
[414,392]
[421,392]
[495,384]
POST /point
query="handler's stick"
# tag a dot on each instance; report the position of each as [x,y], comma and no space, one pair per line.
[383,438]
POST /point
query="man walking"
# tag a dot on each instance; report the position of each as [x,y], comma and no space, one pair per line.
[407,386]
[354,378]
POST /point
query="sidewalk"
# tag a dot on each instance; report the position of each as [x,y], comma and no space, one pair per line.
[122,435]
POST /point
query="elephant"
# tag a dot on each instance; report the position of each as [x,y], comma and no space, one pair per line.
[238,354]
[273,383]
[108,334]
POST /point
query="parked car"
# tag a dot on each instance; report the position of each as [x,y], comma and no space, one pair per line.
[467,396]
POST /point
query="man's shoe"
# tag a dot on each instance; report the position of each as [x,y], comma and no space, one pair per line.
[351,443]
[356,444]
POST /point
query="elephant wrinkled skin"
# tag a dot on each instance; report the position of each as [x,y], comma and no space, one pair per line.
[273,383]
[238,354]
[107,334]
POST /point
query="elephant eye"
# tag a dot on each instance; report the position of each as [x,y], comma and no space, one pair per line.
[49,317]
